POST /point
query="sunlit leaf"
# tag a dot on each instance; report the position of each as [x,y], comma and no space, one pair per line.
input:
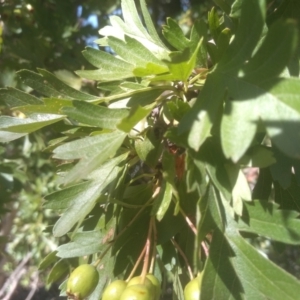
[29,124]
[272,283]
[110,67]
[95,115]
[78,200]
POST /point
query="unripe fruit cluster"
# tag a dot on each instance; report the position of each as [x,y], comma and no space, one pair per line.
[135,289]
[84,279]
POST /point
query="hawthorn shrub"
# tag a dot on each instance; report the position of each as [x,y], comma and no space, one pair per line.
[151,169]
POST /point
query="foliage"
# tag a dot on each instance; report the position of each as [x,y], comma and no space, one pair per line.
[153,166]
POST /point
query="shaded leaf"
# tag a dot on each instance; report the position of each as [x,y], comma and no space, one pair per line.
[48,260]
[258,156]
[266,219]
[149,149]
[212,214]
[65,90]
[219,278]
[60,269]
[288,198]
[174,35]
[13,97]
[252,20]
[201,117]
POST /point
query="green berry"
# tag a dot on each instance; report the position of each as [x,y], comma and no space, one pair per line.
[155,282]
[137,292]
[147,282]
[82,282]
[114,290]
[192,289]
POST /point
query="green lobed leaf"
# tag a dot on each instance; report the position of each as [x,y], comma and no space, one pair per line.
[50,106]
[83,243]
[79,206]
[149,149]
[14,97]
[282,169]
[258,96]
[214,24]
[103,150]
[265,65]
[137,114]
[162,201]
[119,29]
[263,186]
[174,35]
[263,103]
[236,8]
[288,198]
[29,124]
[264,218]
[86,147]
[252,20]
[60,269]
[212,213]
[272,283]
[48,260]
[143,96]
[64,198]
[149,24]
[137,54]
[170,225]
[225,5]
[65,90]
[223,42]
[238,127]
[178,108]
[109,67]
[195,176]
[198,31]
[240,188]
[258,156]
[169,170]
[212,157]
[128,241]
[95,115]
[80,199]
[203,114]
[132,18]
[219,278]
[200,118]
[6,136]
[44,85]
[182,65]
